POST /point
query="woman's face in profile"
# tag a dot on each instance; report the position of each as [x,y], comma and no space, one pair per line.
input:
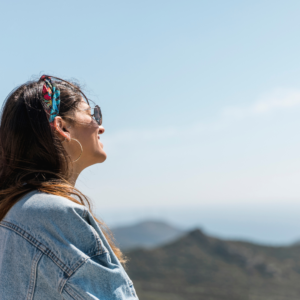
[87,131]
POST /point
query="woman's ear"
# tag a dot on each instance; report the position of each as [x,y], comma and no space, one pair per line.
[61,128]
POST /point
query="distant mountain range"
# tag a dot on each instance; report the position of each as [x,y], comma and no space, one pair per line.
[147,234]
[196,266]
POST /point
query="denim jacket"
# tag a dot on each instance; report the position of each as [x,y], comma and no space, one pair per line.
[52,248]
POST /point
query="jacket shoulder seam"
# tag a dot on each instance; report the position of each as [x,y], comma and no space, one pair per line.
[33,275]
[24,234]
[69,271]
[99,249]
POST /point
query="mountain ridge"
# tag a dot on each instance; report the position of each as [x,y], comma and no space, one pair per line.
[145,234]
[197,266]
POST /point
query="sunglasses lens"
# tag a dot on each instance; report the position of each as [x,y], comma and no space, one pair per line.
[98,115]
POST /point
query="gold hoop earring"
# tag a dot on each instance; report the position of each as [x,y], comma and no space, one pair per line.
[80,148]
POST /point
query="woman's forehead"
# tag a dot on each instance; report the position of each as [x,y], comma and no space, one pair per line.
[83,105]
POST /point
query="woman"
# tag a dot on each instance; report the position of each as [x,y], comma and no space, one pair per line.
[51,246]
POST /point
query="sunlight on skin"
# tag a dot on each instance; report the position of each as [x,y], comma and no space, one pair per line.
[87,132]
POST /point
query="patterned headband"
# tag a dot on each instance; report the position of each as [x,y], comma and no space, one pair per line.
[51,96]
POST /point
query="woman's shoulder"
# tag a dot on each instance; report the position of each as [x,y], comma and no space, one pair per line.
[42,213]
[40,205]
[55,222]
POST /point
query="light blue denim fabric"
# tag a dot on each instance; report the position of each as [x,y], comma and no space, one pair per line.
[52,248]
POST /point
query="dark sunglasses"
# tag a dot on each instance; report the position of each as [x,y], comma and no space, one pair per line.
[96,114]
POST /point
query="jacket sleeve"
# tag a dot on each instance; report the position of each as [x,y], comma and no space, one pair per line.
[101,275]
[98,273]
[98,278]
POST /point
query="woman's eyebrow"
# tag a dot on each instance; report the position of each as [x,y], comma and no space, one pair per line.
[89,108]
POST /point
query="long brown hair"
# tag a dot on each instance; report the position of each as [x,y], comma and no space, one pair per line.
[32,157]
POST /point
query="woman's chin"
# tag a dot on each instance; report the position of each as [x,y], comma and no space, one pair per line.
[101,156]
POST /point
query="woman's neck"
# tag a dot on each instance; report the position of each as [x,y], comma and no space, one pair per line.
[76,170]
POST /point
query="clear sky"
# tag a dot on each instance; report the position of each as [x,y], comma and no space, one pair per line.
[201,99]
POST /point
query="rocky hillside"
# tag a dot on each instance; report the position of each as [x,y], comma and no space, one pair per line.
[197,267]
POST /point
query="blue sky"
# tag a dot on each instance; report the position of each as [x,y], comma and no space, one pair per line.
[201,100]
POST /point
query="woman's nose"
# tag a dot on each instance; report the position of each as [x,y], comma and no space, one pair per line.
[101,129]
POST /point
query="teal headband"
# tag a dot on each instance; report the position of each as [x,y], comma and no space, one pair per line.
[51,96]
